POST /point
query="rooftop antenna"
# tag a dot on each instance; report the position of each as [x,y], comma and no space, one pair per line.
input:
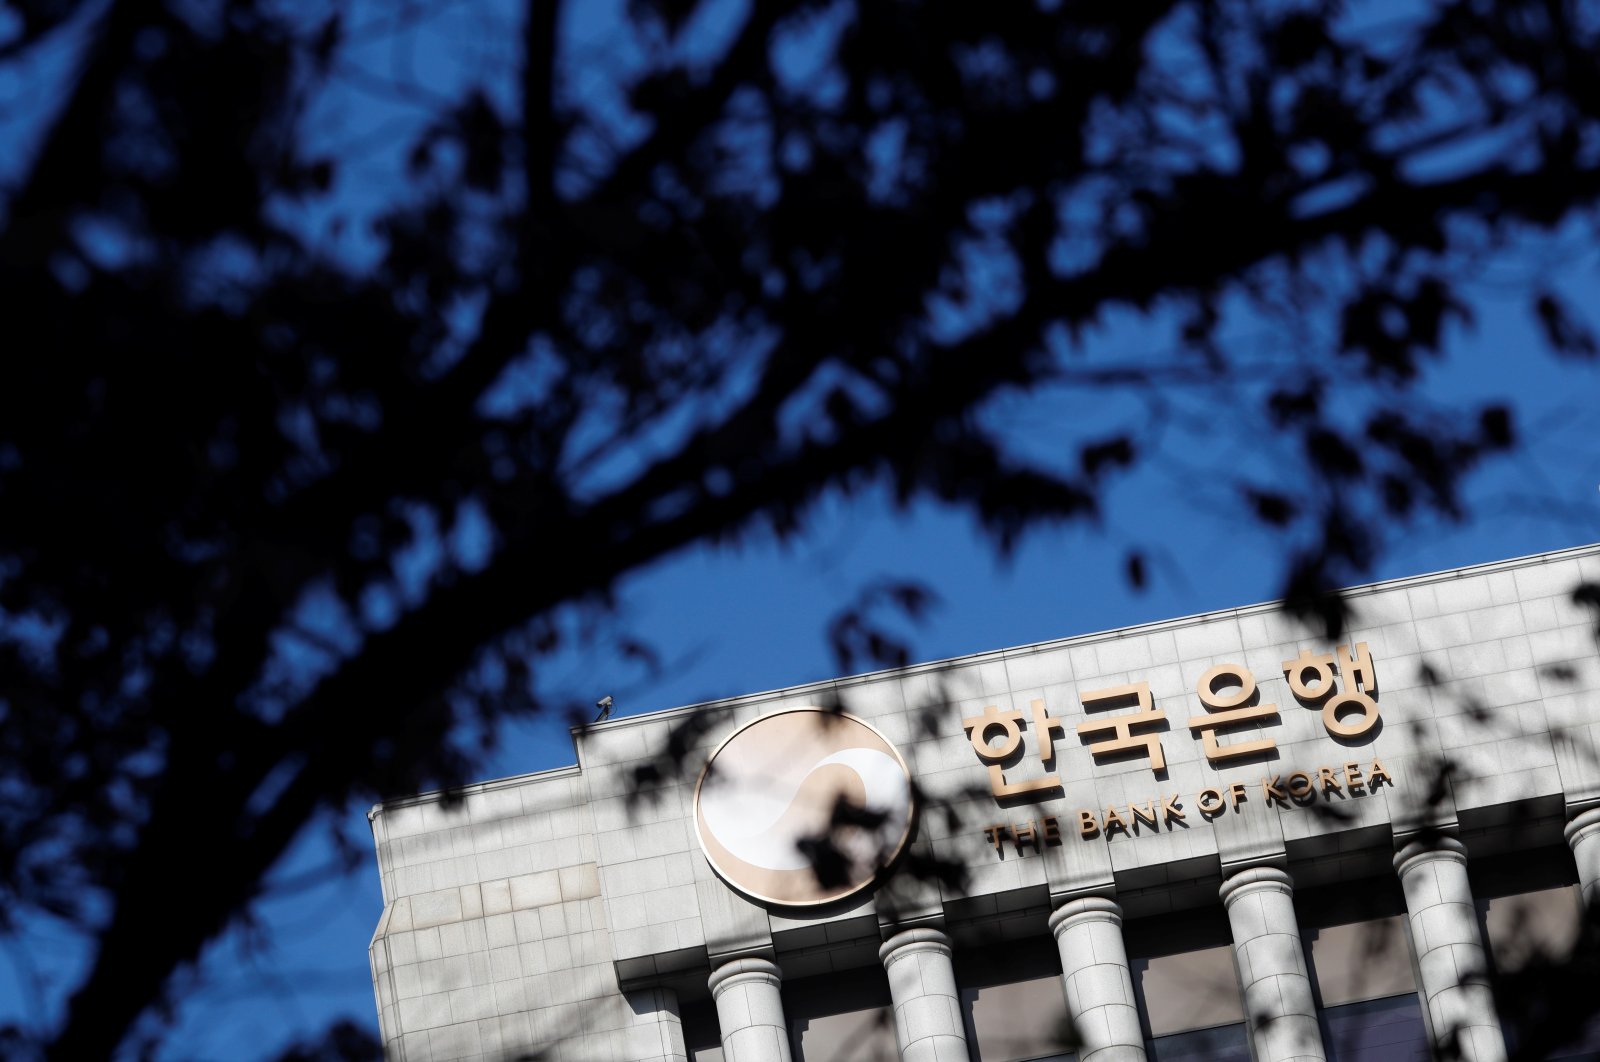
[604,704]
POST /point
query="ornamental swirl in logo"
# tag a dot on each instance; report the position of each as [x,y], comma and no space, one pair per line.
[804,806]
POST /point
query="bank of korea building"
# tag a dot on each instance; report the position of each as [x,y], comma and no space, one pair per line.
[1218,837]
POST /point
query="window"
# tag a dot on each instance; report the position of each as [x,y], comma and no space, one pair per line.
[1360,960]
[844,1016]
[1025,1021]
[1375,1030]
[1525,932]
[864,1035]
[1189,1004]
[1366,991]
[1224,1043]
[1531,926]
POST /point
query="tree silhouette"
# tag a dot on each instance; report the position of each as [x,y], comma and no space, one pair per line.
[287,507]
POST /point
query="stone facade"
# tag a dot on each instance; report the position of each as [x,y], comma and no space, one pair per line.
[573,909]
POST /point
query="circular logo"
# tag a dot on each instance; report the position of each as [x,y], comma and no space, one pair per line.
[805,806]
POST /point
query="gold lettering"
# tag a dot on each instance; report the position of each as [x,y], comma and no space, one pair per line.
[1318,668]
[1352,777]
[1121,726]
[979,728]
[1299,787]
[1357,669]
[1363,722]
[1003,788]
[996,835]
[1228,711]
[982,728]
[1024,833]
[1045,730]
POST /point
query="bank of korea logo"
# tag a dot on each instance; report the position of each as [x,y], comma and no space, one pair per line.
[803,807]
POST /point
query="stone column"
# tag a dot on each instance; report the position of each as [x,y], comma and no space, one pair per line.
[1583,837]
[1279,1008]
[1095,975]
[750,1011]
[1451,961]
[927,1008]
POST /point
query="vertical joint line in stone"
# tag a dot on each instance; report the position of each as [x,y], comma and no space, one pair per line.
[1280,1010]
[1451,960]
[1097,981]
[750,1011]
[922,987]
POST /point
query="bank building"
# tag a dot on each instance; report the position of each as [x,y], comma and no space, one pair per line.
[1216,837]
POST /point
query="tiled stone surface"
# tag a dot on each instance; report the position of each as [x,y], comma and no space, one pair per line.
[750,1011]
[1452,965]
[926,1003]
[1095,975]
[495,934]
[1279,1008]
[512,916]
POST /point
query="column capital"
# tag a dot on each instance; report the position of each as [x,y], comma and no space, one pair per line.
[1254,879]
[1428,849]
[910,941]
[743,971]
[1583,837]
[1084,909]
[1584,825]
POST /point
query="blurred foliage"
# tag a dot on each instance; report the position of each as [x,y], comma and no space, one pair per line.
[289,507]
